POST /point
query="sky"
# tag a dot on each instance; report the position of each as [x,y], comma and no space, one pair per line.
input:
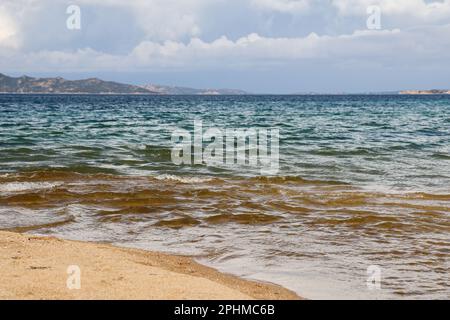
[262,46]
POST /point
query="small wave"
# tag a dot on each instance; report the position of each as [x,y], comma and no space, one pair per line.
[48,175]
[50,225]
[441,156]
[245,218]
[177,223]
[296,179]
[27,186]
[182,179]
[156,154]
[343,153]
[429,196]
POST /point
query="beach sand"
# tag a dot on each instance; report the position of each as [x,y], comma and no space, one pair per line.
[37,268]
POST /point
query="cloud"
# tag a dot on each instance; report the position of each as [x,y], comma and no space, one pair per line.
[420,47]
[160,35]
[431,11]
[387,47]
[8,30]
[160,19]
[285,6]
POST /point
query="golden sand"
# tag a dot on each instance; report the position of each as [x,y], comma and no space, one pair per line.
[37,268]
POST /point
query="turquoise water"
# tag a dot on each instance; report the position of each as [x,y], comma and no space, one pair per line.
[363,180]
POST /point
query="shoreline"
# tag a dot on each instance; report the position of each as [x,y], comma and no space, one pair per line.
[35,267]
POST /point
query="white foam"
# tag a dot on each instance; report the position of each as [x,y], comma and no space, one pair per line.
[27,186]
[182,179]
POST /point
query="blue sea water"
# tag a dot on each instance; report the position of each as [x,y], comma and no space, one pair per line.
[363,180]
[400,142]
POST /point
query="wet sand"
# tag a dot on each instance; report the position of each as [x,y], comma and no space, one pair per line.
[37,268]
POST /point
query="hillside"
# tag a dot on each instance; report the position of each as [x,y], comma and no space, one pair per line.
[60,85]
[191,91]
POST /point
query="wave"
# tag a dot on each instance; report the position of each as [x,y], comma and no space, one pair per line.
[183,179]
[41,226]
[178,223]
[27,186]
[245,218]
[296,179]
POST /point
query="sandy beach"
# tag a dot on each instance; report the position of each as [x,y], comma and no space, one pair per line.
[37,268]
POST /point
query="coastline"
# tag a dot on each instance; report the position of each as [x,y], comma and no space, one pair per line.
[35,267]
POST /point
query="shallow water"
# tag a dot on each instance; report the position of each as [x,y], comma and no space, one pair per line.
[364,180]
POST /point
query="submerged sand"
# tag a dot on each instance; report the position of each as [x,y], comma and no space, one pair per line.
[37,268]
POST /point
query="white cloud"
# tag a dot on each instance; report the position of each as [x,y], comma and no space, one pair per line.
[285,6]
[160,19]
[174,36]
[407,9]
[384,48]
[8,30]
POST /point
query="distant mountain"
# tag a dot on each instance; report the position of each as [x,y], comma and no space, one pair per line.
[368,93]
[191,91]
[59,85]
[434,91]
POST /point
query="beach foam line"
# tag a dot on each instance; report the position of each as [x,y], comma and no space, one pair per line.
[27,186]
[182,179]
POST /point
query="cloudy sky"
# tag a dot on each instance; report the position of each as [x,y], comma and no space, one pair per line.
[271,46]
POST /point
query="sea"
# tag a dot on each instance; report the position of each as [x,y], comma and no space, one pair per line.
[358,209]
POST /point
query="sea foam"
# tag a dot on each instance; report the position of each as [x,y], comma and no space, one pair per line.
[182,179]
[27,186]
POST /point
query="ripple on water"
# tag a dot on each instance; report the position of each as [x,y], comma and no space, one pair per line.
[363,182]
